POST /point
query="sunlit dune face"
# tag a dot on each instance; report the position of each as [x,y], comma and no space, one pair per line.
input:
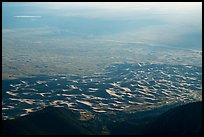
[29,110]
[135,94]
[8,107]
[84,102]
[111,92]
[100,111]
[59,102]
[11,93]
[28,101]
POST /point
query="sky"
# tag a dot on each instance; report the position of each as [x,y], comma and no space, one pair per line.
[169,23]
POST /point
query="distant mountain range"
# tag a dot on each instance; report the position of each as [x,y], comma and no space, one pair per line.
[181,120]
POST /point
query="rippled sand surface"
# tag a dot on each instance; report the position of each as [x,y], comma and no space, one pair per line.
[123,87]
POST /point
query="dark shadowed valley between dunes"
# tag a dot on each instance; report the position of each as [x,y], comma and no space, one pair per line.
[181,120]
